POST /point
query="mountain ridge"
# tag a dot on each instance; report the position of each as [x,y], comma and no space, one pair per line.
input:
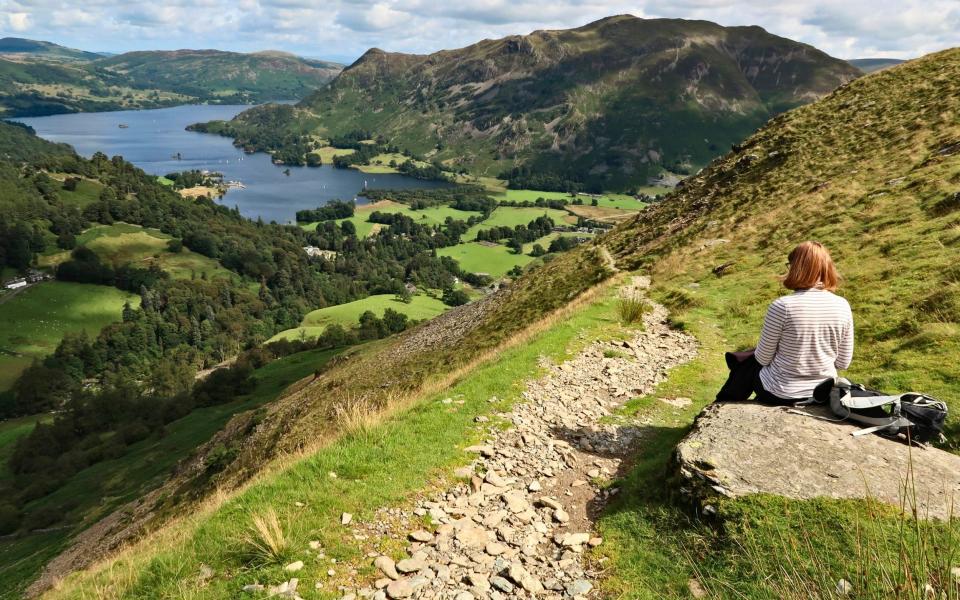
[34,84]
[621,99]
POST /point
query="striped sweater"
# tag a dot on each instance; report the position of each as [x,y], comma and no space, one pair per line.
[806,338]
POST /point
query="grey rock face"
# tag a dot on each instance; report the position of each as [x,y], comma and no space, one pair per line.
[799,456]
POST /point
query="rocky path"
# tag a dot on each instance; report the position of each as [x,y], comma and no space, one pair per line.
[519,528]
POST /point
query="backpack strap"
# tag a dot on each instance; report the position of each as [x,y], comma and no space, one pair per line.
[862,402]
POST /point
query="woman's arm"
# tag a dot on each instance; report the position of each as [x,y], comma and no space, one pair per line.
[770,334]
[845,351]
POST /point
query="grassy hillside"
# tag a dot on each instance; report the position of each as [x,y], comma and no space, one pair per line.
[21,48]
[872,170]
[122,243]
[420,307]
[96,491]
[34,321]
[44,82]
[609,105]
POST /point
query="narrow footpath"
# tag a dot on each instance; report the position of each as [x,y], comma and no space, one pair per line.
[521,524]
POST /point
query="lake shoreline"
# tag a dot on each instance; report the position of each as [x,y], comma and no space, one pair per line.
[156,140]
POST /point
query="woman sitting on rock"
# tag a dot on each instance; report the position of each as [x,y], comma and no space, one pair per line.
[807,336]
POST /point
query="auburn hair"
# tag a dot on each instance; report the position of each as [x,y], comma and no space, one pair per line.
[811,267]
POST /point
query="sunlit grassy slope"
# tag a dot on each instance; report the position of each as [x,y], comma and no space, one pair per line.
[122,243]
[34,321]
[420,307]
[872,171]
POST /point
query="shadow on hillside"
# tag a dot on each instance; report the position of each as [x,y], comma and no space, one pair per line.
[644,470]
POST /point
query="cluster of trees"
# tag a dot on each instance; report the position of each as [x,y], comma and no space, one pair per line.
[562,244]
[193,178]
[355,139]
[542,203]
[428,172]
[461,197]
[362,156]
[335,209]
[526,178]
[519,235]
[84,266]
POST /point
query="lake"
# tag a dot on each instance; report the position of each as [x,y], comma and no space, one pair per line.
[154,137]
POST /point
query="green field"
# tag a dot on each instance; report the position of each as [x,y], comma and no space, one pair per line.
[608,200]
[326,153]
[508,216]
[122,243]
[420,307]
[86,193]
[33,322]
[545,240]
[476,257]
[97,490]
[435,215]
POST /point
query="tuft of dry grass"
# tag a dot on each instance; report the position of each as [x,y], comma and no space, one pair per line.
[630,308]
[265,541]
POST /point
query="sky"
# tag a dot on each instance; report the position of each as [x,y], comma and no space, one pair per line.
[343,29]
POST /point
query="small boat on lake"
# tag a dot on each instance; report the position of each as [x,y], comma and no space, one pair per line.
[123,126]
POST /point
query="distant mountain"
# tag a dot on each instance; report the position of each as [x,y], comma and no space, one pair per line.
[256,77]
[612,103]
[869,65]
[11,47]
[36,82]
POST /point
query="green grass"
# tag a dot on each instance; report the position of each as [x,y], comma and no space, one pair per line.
[508,216]
[857,179]
[493,260]
[164,181]
[756,547]
[33,322]
[122,243]
[326,153]
[381,163]
[545,240]
[607,200]
[99,489]
[86,193]
[377,465]
[428,216]
[420,307]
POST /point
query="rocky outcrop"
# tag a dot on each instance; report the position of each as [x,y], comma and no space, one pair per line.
[737,449]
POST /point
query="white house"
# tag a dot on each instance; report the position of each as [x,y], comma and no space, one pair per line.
[15,284]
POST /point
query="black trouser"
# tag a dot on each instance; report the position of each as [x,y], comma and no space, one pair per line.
[744,380]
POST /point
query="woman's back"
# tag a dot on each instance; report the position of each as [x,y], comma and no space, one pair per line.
[806,338]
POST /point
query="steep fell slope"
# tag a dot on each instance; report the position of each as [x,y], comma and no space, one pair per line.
[872,170]
[21,48]
[609,104]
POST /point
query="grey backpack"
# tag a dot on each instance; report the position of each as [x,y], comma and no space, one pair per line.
[918,416]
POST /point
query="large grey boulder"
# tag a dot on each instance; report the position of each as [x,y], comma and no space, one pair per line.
[736,449]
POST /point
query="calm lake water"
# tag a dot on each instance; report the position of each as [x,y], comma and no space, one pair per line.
[154,137]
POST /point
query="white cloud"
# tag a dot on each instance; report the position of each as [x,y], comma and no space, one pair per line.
[18,21]
[345,28]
